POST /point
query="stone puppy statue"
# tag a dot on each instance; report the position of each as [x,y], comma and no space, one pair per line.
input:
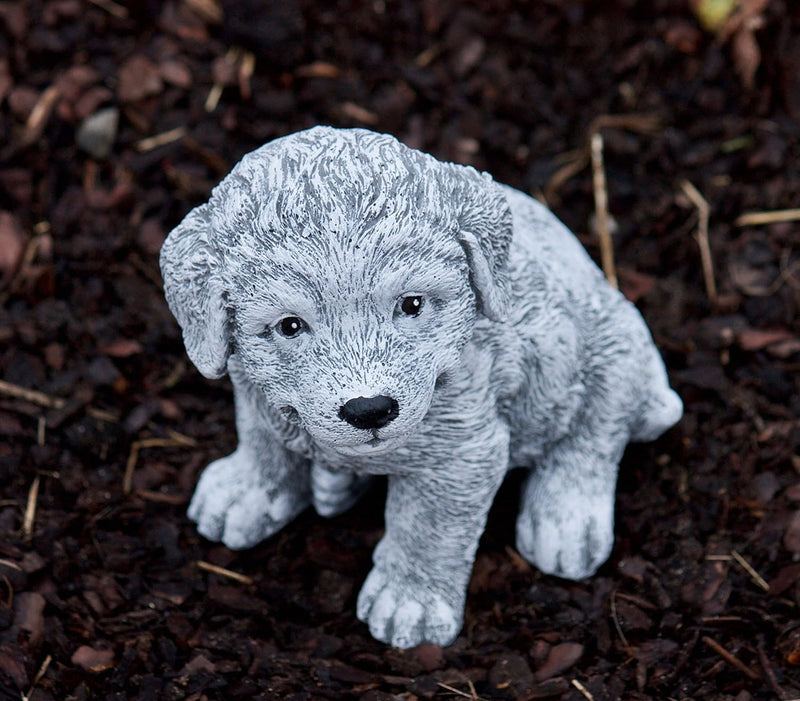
[380,312]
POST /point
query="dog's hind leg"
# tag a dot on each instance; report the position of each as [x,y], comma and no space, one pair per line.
[334,493]
[256,490]
[566,521]
[663,408]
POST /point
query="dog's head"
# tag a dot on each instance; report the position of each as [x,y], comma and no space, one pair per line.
[345,271]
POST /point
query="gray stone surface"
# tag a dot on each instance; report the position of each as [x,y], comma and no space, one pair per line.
[333,267]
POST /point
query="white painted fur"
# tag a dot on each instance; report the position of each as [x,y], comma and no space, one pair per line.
[521,356]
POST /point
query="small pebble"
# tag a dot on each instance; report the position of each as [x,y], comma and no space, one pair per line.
[98,132]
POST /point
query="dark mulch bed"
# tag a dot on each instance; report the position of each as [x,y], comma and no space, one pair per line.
[103,594]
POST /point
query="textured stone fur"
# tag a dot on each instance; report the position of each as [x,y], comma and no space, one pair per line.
[522,356]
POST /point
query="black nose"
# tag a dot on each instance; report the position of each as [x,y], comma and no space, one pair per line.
[369,412]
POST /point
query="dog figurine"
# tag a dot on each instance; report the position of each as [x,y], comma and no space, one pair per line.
[381,312]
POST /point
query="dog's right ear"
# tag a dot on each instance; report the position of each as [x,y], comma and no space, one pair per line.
[194,292]
[485,234]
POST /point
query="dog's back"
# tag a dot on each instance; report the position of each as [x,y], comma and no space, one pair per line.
[581,334]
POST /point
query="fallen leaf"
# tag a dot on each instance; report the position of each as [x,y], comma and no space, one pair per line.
[785,349]
[122,348]
[560,659]
[138,78]
[12,245]
[746,56]
[791,538]
[12,665]
[199,664]
[652,651]
[635,285]
[784,579]
[430,656]
[6,81]
[755,339]
[176,73]
[92,659]
[790,77]
[318,69]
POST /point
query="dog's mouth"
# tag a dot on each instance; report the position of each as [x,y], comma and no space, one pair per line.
[376,445]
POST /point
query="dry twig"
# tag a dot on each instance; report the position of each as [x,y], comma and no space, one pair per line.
[584,691]
[176,440]
[730,659]
[760,218]
[42,671]
[30,395]
[30,508]
[222,572]
[40,114]
[231,57]
[615,618]
[757,578]
[153,142]
[703,213]
[601,210]
[772,678]
[576,161]
[473,696]
[113,8]
[209,10]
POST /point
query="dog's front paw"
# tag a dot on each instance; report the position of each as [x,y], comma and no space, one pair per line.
[236,504]
[564,531]
[404,612]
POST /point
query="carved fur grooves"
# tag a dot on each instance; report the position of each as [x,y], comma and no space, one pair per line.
[464,327]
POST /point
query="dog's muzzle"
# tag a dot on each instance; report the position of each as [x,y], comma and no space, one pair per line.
[369,412]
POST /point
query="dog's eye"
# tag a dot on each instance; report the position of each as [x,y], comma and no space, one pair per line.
[291,326]
[411,305]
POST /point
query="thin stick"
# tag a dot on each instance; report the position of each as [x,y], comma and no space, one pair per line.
[580,687]
[703,214]
[153,142]
[760,218]
[730,659]
[361,114]
[222,572]
[30,508]
[210,10]
[10,590]
[113,8]
[214,96]
[457,692]
[212,100]
[601,209]
[28,256]
[246,69]
[42,671]
[616,619]
[757,578]
[40,114]
[159,497]
[31,395]
[175,440]
[772,679]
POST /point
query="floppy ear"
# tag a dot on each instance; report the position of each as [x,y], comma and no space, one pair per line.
[485,233]
[194,293]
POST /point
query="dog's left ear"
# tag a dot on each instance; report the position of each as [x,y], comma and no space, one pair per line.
[485,233]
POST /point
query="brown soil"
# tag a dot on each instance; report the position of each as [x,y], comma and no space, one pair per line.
[103,594]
